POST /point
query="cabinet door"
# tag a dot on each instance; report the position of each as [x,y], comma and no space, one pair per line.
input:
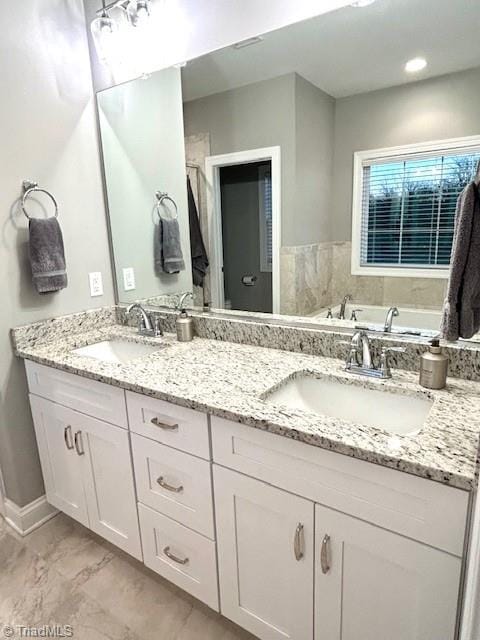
[371,583]
[265,555]
[109,485]
[62,471]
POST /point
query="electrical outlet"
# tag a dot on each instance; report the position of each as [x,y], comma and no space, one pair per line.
[96,284]
[129,279]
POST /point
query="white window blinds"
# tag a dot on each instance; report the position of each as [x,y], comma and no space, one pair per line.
[408,208]
[265,217]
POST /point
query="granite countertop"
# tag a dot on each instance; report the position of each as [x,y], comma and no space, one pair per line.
[231,380]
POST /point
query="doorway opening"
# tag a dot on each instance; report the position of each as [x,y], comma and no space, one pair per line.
[244,229]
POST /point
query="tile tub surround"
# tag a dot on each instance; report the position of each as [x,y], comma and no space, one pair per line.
[316,276]
[229,380]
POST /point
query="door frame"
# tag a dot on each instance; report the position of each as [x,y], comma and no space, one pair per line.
[213,164]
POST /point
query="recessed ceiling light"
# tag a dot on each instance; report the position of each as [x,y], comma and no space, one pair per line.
[362,3]
[415,64]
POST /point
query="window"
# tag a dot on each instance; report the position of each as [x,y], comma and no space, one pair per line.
[265,216]
[404,207]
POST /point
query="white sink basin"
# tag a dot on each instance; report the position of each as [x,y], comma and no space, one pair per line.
[118,351]
[392,412]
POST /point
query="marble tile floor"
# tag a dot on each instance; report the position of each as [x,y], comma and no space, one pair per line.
[63,574]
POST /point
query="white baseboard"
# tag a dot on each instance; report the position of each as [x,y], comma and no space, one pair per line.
[26,519]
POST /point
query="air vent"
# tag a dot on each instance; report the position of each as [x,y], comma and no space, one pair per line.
[247,43]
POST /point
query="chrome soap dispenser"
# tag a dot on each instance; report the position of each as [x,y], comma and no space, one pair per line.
[433,367]
[184,323]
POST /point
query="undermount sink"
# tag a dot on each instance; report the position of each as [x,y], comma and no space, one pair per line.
[118,351]
[392,412]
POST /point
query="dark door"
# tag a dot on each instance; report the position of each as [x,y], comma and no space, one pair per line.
[247,236]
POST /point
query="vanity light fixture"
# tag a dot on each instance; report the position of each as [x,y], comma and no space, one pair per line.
[359,4]
[105,29]
[415,65]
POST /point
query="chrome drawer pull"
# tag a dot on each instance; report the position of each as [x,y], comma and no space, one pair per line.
[175,558]
[298,542]
[325,554]
[164,425]
[79,443]
[169,487]
[67,436]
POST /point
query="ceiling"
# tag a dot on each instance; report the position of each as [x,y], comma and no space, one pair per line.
[350,50]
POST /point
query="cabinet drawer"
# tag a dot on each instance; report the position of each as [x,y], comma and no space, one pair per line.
[415,507]
[90,397]
[180,555]
[169,424]
[175,483]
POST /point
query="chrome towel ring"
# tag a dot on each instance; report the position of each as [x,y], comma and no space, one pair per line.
[161,197]
[28,189]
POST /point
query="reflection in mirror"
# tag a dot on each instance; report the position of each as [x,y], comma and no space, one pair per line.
[144,158]
[329,157]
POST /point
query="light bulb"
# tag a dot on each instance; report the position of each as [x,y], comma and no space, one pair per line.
[104,32]
[415,65]
[138,12]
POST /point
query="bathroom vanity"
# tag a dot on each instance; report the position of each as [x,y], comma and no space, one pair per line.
[186,459]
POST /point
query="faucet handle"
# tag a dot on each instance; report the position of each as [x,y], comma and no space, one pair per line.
[353,317]
[386,350]
[384,360]
[352,352]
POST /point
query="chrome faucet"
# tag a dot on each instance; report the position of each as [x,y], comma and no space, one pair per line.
[182,298]
[343,305]
[392,313]
[148,325]
[360,360]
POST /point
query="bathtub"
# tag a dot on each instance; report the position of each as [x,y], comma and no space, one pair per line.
[423,322]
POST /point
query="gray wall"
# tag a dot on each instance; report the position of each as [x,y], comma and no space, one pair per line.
[289,112]
[144,152]
[48,134]
[314,126]
[257,115]
[444,107]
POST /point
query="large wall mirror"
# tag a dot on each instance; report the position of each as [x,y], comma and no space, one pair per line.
[315,169]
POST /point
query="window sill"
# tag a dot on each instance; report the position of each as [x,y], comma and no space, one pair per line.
[394,272]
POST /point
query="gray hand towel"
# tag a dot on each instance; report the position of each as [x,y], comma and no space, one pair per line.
[168,254]
[197,246]
[461,311]
[47,255]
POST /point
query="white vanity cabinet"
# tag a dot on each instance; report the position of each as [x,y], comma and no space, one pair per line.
[86,463]
[266,557]
[173,472]
[290,541]
[87,471]
[388,546]
[372,583]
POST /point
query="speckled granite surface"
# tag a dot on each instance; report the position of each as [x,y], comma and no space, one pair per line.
[230,380]
[277,332]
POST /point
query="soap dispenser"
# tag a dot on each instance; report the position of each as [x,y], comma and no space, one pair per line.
[184,323]
[433,367]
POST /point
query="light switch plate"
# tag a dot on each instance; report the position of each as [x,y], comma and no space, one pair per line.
[128,279]
[96,284]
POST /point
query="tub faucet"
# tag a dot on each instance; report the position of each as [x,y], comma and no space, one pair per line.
[343,305]
[392,313]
